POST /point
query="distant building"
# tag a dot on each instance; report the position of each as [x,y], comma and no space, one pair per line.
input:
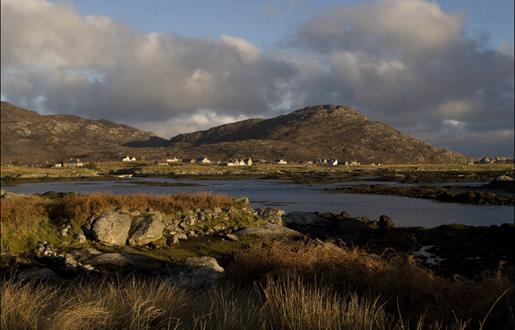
[202,160]
[172,160]
[282,162]
[129,159]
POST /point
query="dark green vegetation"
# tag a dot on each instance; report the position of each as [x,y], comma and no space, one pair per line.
[453,194]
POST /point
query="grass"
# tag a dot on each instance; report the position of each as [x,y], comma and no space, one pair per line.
[270,286]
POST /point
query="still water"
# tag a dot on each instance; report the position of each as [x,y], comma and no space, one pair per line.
[296,197]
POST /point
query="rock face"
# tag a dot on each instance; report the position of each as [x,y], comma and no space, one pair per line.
[112,228]
[146,229]
[200,272]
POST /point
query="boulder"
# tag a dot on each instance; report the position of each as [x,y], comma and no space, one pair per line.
[146,229]
[268,230]
[112,228]
[303,218]
[271,215]
[202,272]
[123,260]
[43,274]
[385,222]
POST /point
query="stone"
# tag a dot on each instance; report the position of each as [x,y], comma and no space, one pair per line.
[146,229]
[385,222]
[303,219]
[80,237]
[112,228]
[231,237]
[64,230]
[42,274]
[271,215]
[269,230]
[202,272]
[2,193]
[69,260]
[123,260]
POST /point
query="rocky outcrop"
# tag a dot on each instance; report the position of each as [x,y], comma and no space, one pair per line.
[146,229]
[202,272]
[268,230]
[123,260]
[112,227]
[270,214]
[303,218]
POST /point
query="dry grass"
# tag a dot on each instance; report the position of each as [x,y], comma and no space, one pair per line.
[280,286]
[282,303]
[399,282]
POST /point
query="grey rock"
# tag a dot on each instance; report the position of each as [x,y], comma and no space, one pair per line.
[203,272]
[80,237]
[2,193]
[271,215]
[385,222]
[269,230]
[146,229]
[123,260]
[43,274]
[303,219]
[112,228]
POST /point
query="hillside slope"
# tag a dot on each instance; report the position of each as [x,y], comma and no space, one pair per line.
[325,131]
[30,137]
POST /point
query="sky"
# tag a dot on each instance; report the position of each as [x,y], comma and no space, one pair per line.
[440,70]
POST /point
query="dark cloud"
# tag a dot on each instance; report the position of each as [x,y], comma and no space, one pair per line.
[403,62]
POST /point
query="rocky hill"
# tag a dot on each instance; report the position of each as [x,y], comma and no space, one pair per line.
[327,131]
[30,137]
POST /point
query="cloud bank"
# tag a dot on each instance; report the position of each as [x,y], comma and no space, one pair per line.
[405,62]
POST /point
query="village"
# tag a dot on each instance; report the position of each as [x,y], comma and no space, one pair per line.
[246,161]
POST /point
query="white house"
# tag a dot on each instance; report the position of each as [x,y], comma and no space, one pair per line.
[203,160]
[332,162]
[172,160]
[282,162]
[129,159]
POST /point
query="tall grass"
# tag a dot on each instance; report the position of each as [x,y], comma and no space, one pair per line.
[282,303]
[276,286]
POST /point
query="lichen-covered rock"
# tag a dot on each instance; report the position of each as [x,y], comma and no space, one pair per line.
[200,272]
[268,230]
[112,228]
[146,229]
[271,215]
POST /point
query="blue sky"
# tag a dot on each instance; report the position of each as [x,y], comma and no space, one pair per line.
[441,71]
[265,22]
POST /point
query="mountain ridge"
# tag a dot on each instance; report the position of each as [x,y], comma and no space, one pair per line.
[322,131]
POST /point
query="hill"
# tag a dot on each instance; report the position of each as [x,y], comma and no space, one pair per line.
[30,137]
[325,131]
